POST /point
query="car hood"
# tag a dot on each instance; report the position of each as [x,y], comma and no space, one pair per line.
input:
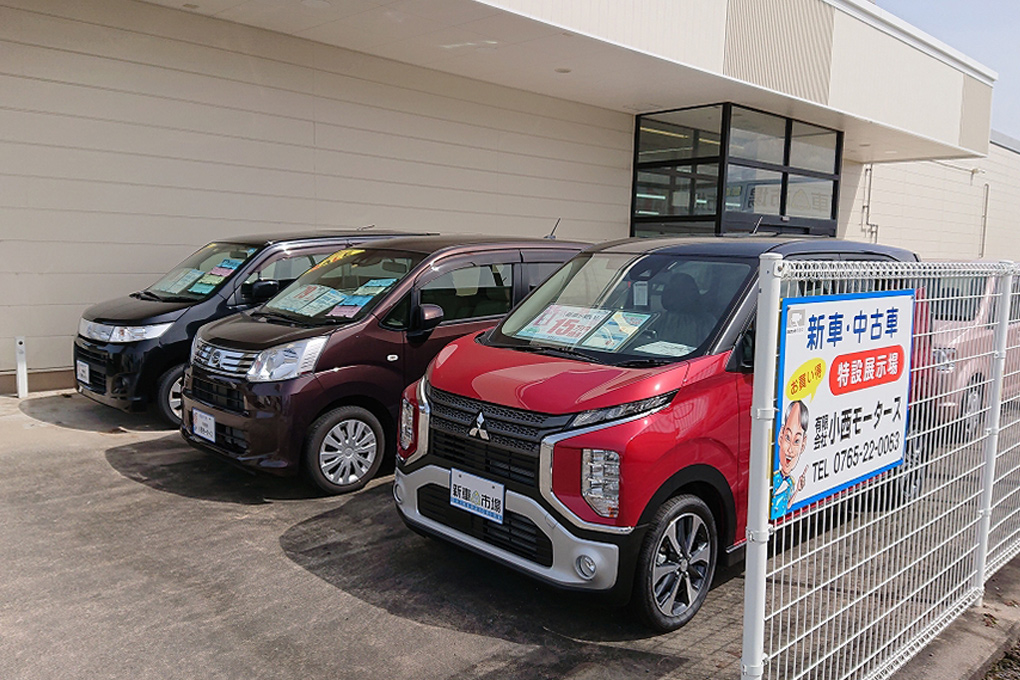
[129,311]
[253,333]
[546,384]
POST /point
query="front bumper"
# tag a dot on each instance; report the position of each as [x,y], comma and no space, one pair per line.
[116,372]
[566,548]
[260,426]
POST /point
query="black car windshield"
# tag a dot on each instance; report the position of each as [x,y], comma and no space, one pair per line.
[344,287]
[622,308]
[206,270]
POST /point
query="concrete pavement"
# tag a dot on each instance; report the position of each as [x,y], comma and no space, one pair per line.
[126,554]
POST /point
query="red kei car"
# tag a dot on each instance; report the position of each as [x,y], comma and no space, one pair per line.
[598,437]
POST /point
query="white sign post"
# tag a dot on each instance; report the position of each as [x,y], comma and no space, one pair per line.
[843,385]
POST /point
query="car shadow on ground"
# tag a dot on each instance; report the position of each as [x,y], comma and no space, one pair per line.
[364,549]
[72,410]
[169,464]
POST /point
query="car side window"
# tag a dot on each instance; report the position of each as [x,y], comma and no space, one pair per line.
[287,267]
[399,318]
[537,272]
[471,292]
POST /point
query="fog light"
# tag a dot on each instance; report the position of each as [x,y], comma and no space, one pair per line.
[398,493]
[585,567]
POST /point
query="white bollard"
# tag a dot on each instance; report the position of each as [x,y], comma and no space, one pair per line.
[19,353]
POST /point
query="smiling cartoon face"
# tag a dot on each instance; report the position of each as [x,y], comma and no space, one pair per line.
[793,437]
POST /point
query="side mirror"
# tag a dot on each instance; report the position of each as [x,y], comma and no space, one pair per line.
[742,359]
[263,290]
[428,317]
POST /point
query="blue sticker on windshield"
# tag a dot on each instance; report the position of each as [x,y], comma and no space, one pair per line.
[202,288]
[230,264]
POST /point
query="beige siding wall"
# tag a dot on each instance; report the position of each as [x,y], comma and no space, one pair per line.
[686,31]
[130,134]
[783,45]
[936,208]
[878,77]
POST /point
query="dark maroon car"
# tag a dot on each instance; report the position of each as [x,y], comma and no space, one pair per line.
[311,381]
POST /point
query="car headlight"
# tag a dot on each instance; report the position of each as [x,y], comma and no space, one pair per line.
[286,361]
[107,333]
[406,424]
[600,481]
[944,359]
[633,408]
[194,349]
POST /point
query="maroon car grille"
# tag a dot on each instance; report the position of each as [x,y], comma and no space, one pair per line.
[214,394]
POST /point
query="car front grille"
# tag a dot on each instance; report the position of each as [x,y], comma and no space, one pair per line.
[510,455]
[517,534]
[213,394]
[224,361]
[97,360]
[232,439]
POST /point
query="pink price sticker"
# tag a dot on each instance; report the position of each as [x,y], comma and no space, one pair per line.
[345,311]
[563,323]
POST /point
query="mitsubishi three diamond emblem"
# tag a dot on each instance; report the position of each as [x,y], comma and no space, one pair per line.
[479,429]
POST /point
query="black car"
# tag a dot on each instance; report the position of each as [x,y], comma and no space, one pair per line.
[132,350]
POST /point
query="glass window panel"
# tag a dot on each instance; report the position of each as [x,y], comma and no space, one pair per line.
[663,191]
[471,292]
[679,135]
[810,197]
[813,148]
[757,136]
[752,190]
[651,230]
[668,191]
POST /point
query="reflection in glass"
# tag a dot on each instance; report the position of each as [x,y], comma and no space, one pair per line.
[752,190]
[679,135]
[757,136]
[652,229]
[813,148]
[677,190]
[809,197]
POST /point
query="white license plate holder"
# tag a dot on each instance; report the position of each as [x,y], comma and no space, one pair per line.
[203,425]
[477,495]
[81,370]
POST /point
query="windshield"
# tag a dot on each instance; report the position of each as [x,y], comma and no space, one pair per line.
[624,308]
[202,273]
[344,287]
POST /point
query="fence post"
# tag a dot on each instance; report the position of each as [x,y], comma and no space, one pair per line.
[752,664]
[994,402]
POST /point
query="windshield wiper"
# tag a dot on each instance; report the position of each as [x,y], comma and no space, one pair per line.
[272,316]
[644,363]
[147,295]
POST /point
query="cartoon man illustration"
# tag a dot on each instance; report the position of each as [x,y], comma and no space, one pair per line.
[792,441]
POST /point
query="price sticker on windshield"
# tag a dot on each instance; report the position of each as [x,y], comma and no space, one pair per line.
[563,324]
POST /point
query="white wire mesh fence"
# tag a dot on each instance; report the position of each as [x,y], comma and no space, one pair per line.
[856,583]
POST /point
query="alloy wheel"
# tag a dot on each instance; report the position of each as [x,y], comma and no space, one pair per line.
[682,566]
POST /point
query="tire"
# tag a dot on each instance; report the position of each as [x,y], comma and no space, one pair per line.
[676,564]
[168,395]
[972,414]
[344,449]
[908,480]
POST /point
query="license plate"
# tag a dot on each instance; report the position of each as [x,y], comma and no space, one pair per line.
[81,369]
[203,425]
[476,495]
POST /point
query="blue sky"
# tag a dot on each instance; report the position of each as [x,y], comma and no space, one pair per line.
[985,30]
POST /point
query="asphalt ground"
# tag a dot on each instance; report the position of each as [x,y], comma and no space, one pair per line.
[127,554]
[124,553]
